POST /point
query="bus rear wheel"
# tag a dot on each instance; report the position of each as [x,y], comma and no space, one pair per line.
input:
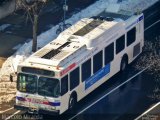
[124,63]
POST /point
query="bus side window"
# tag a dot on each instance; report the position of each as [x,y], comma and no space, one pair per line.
[64,85]
[97,62]
[109,53]
[120,44]
[86,70]
[74,78]
[131,36]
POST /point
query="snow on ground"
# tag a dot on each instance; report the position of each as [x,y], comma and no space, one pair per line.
[4,26]
[17,47]
[136,5]
[25,50]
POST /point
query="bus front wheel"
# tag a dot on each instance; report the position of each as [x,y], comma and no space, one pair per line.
[72,101]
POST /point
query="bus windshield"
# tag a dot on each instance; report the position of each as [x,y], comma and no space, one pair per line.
[27,83]
[43,86]
[48,87]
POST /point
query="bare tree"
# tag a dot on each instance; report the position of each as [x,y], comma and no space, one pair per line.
[33,8]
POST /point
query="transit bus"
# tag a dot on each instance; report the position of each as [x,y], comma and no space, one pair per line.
[79,60]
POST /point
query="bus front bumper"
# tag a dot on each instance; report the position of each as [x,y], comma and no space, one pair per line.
[40,111]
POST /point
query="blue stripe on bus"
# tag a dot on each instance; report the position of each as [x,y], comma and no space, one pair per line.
[128,27]
[97,76]
[139,19]
[20,98]
[54,103]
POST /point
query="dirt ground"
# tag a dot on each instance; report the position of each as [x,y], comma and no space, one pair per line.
[2,61]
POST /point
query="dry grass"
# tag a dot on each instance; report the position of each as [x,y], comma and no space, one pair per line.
[2,60]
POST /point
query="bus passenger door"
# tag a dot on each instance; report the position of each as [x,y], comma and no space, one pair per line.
[64,94]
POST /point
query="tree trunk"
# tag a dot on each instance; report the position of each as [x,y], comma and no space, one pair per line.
[35,25]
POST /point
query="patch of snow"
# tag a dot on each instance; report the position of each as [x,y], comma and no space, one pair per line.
[137,5]
[4,26]
[16,60]
[17,47]
[49,26]
[7,68]
[114,8]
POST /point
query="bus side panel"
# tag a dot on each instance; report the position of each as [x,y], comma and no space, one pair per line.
[142,33]
[114,68]
[139,40]
[88,89]
[64,102]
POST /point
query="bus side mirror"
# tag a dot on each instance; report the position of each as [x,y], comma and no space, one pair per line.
[11,78]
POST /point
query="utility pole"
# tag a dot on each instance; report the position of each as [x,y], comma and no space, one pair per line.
[35,27]
[65,9]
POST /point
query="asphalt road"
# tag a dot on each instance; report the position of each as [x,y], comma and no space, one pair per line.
[126,95]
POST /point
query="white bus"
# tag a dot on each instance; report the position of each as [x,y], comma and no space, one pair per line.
[78,61]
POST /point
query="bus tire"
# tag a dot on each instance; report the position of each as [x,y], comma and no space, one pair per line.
[72,101]
[124,63]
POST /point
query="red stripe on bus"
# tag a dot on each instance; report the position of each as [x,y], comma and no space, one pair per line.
[46,103]
[68,69]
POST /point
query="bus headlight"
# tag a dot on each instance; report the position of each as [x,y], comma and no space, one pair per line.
[53,108]
[18,102]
